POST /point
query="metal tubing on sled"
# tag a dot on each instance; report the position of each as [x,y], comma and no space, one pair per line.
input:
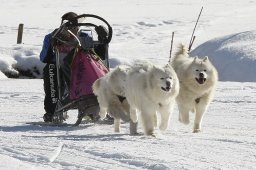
[58,71]
[110,31]
[58,118]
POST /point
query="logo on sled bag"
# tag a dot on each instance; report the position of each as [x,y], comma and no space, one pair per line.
[52,70]
[84,71]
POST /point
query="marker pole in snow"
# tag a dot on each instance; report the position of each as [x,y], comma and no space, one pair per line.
[171,48]
[20,33]
[192,36]
[190,45]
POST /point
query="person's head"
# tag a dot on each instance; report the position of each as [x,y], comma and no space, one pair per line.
[69,16]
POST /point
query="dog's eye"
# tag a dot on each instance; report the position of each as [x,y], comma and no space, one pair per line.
[205,70]
[197,70]
[162,78]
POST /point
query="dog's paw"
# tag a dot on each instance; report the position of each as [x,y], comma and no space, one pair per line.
[117,130]
[102,115]
[163,127]
[154,135]
[150,133]
[132,133]
[196,130]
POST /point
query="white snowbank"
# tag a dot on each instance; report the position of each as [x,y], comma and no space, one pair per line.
[233,55]
[2,75]
[21,60]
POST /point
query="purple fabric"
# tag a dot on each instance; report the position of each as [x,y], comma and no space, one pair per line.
[84,71]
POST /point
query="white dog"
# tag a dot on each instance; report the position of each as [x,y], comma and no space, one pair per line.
[151,89]
[198,78]
[111,97]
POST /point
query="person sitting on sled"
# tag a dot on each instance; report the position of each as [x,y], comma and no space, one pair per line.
[48,56]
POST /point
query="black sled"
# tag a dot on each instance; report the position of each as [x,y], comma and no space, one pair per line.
[87,62]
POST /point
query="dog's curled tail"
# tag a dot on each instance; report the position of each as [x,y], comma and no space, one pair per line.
[96,86]
[182,51]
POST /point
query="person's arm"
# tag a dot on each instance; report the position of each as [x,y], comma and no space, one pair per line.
[46,54]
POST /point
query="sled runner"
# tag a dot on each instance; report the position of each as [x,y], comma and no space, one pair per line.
[87,62]
[49,124]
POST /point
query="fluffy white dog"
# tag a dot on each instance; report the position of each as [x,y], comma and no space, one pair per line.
[151,89]
[198,78]
[111,97]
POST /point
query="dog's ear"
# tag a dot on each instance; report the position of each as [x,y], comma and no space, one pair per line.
[119,68]
[205,59]
[167,66]
[195,59]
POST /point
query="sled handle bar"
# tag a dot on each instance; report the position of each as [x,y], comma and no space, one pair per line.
[74,24]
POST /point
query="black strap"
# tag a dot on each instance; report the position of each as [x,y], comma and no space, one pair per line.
[121,98]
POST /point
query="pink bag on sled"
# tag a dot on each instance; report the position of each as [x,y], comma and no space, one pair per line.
[85,70]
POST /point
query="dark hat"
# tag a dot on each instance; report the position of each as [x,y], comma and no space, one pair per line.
[69,16]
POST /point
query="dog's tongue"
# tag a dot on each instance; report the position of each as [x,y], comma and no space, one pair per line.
[201,80]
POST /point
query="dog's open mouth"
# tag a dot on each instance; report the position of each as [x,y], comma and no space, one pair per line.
[201,80]
[166,88]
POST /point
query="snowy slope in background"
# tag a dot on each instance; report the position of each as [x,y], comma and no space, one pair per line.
[233,55]
[141,30]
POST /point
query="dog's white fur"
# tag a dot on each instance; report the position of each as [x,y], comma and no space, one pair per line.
[151,89]
[198,79]
[109,91]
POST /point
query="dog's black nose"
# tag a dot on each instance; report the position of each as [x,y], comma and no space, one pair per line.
[168,84]
[201,75]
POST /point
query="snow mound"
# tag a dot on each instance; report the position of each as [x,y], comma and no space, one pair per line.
[233,55]
[2,76]
[20,61]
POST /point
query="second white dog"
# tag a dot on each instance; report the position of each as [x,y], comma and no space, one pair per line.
[150,90]
[198,79]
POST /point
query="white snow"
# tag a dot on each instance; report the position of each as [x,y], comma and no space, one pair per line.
[141,30]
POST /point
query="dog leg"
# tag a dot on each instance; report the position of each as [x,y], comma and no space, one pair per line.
[183,115]
[117,125]
[148,122]
[198,121]
[103,113]
[155,120]
[200,110]
[165,112]
[133,115]
[133,128]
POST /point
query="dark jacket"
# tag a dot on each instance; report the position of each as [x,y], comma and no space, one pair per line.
[47,55]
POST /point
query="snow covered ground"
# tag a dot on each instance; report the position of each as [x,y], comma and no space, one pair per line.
[142,30]
[228,140]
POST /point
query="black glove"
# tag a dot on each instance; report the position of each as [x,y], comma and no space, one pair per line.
[102,33]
